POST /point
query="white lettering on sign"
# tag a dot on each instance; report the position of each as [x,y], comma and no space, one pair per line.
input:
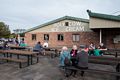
[70,24]
[73,26]
[54,29]
[81,28]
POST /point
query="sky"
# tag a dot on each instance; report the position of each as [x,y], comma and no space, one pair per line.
[26,14]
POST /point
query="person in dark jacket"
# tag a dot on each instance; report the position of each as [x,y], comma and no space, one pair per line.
[38,47]
[73,54]
[82,58]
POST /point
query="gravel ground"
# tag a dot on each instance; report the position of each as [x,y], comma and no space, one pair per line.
[47,69]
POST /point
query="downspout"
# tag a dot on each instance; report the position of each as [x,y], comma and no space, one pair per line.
[100,35]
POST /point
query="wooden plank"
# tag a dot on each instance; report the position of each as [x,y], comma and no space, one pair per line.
[13,59]
[94,71]
[105,62]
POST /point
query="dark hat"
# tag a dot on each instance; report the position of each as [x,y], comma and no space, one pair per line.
[82,46]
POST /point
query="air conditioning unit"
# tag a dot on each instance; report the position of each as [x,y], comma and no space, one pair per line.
[115,40]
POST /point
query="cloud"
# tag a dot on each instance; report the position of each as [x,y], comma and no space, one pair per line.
[30,13]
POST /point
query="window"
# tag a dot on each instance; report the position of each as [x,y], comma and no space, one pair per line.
[33,36]
[60,37]
[66,24]
[76,37]
[46,37]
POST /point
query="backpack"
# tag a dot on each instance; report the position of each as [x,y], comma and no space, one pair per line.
[67,61]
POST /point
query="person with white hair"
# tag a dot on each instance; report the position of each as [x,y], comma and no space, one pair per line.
[64,53]
[45,44]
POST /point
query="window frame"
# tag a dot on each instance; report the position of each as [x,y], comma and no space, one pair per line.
[75,37]
[60,37]
[66,23]
[47,36]
[34,37]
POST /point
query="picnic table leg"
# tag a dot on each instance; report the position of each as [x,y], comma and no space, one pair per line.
[18,56]
[31,59]
[118,70]
[10,55]
[7,56]
[28,61]
[37,58]
[116,54]
[4,55]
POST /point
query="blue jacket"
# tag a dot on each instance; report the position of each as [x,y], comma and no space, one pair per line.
[62,57]
[38,47]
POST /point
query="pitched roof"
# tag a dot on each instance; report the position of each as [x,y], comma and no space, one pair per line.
[57,20]
[103,16]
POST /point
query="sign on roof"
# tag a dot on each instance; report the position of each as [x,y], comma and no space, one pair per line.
[65,26]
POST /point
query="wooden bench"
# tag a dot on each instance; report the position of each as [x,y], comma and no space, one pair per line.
[117,74]
[113,52]
[102,60]
[20,61]
[53,52]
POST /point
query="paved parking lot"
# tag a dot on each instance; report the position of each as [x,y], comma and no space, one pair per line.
[47,69]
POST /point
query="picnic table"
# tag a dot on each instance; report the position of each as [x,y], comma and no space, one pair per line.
[114,52]
[28,54]
[52,51]
[104,60]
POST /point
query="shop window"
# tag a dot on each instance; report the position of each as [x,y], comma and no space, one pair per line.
[60,37]
[33,36]
[66,23]
[46,37]
[76,37]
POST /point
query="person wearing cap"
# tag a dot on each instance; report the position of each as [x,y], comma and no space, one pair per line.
[82,58]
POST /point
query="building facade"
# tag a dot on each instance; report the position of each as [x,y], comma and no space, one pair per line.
[67,31]
[108,28]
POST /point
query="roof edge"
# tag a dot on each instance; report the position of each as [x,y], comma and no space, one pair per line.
[103,16]
[57,20]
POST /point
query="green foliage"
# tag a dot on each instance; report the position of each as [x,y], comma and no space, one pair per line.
[4,30]
[22,34]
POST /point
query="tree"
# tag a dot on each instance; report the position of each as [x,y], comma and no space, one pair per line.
[4,30]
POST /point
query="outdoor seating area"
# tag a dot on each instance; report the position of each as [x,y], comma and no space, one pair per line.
[15,56]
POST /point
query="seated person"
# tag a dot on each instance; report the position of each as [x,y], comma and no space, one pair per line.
[73,54]
[23,44]
[38,47]
[82,58]
[45,44]
[91,49]
[102,48]
[64,53]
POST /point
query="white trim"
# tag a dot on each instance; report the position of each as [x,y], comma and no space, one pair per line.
[100,35]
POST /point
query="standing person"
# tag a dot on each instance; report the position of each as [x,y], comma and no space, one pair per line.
[38,47]
[16,42]
[73,54]
[82,58]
